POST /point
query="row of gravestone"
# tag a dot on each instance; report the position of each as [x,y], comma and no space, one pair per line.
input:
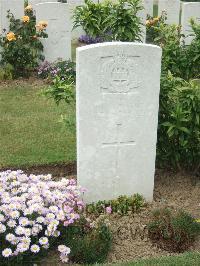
[59,18]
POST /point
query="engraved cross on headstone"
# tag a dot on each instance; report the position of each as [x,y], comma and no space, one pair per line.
[119,144]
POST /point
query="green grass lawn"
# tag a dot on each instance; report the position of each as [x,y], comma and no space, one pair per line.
[30,131]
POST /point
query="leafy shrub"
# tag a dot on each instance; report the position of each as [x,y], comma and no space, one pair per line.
[62,69]
[168,37]
[173,231]
[180,59]
[22,48]
[123,21]
[33,212]
[90,242]
[6,72]
[121,205]
[178,128]
[110,21]
[62,89]
[179,123]
[91,17]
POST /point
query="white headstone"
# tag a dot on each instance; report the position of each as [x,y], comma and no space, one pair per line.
[117,110]
[143,15]
[148,4]
[189,10]
[76,33]
[58,43]
[16,7]
[172,8]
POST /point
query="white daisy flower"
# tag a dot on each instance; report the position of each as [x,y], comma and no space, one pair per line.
[35,248]
[7,252]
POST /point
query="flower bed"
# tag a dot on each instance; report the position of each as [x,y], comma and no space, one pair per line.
[33,211]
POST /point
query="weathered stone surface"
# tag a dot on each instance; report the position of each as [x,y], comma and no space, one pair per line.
[189,10]
[172,7]
[117,109]
[58,43]
[16,7]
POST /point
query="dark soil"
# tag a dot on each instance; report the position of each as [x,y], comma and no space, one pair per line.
[34,81]
[57,170]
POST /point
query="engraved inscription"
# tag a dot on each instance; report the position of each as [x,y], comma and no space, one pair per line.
[118,74]
[119,89]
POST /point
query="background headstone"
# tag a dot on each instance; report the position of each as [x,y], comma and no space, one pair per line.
[76,33]
[143,15]
[189,10]
[15,6]
[58,43]
[148,4]
[117,109]
[172,7]
[35,2]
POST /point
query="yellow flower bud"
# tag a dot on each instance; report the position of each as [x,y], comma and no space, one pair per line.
[10,36]
[41,25]
[28,8]
[25,19]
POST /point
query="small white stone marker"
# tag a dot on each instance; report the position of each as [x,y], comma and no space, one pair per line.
[16,7]
[117,111]
[58,43]
[189,10]
[172,7]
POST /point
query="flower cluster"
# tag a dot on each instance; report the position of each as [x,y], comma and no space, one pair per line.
[25,19]
[64,252]
[89,40]
[23,39]
[59,68]
[150,22]
[28,9]
[33,210]
[41,25]
[46,69]
[155,21]
[11,36]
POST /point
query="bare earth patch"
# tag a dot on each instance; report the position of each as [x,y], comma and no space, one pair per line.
[34,81]
[130,234]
